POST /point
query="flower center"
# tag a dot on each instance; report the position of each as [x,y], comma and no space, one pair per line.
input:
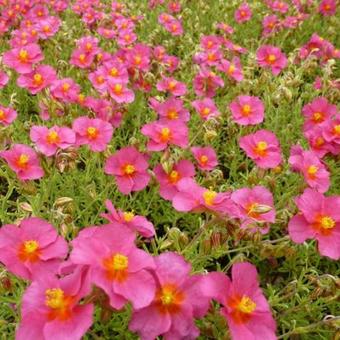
[327,222]
[246,305]
[231,69]
[23,56]
[37,79]
[209,197]
[172,84]
[22,161]
[82,58]
[165,134]
[261,148]
[59,304]
[100,79]
[318,117]
[66,87]
[128,216]
[88,47]
[312,171]
[53,137]
[116,267]
[113,72]
[46,29]
[2,115]
[92,132]
[336,129]
[205,111]
[137,59]
[129,169]
[169,299]
[29,251]
[172,114]
[174,176]
[246,109]
[271,58]
[203,160]
[118,89]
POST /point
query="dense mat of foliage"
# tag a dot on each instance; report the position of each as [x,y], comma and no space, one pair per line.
[169,168]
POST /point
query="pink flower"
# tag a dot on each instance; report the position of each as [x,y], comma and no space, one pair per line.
[256,208]
[206,83]
[318,143]
[263,148]
[171,109]
[206,108]
[48,27]
[164,133]
[129,167]
[206,157]
[331,130]
[66,90]
[119,91]
[171,85]
[82,59]
[168,180]
[192,197]
[327,7]
[127,218]
[116,264]
[318,218]
[247,110]
[210,42]
[42,77]
[313,170]
[31,249]
[7,115]
[271,57]
[232,69]
[244,305]
[279,6]
[23,58]
[49,140]
[174,27]
[4,78]
[177,302]
[138,57]
[23,161]
[270,23]
[317,112]
[243,13]
[94,132]
[51,309]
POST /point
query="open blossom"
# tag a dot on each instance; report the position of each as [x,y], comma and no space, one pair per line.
[271,57]
[134,222]
[82,59]
[116,264]
[4,78]
[24,161]
[313,170]
[22,59]
[233,69]
[51,309]
[263,148]
[177,302]
[331,130]
[129,167]
[7,115]
[31,249]
[244,306]
[327,7]
[319,219]
[66,90]
[317,112]
[164,133]
[206,82]
[171,85]
[94,132]
[192,197]
[270,23]
[119,91]
[42,77]
[206,108]
[171,109]
[247,110]
[206,157]
[48,27]
[256,208]
[48,141]
[243,13]
[168,180]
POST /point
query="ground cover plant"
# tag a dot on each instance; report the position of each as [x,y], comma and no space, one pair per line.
[169,168]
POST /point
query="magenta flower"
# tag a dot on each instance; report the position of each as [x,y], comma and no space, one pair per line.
[138,57]
[171,109]
[206,83]
[256,208]
[243,13]
[24,161]
[263,148]
[66,90]
[127,218]
[119,91]
[270,23]
[116,264]
[163,133]
[319,219]
[22,59]
[330,131]
[51,309]
[318,143]
[171,85]
[206,157]
[271,57]
[247,110]
[168,180]
[244,305]
[94,132]
[313,170]
[233,69]
[4,78]
[129,167]
[81,59]
[327,7]
[206,108]
[7,115]
[31,249]
[48,141]
[178,301]
[42,77]
[317,112]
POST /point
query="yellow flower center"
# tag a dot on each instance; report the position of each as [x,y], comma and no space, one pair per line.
[318,117]
[22,161]
[92,132]
[174,176]
[82,58]
[209,197]
[31,246]
[327,222]
[66,87]
[52,137]
[205,111]
[128,216]
[120,262]
[88,47]
[231,69]
[113,72]
[117,89]
[100,79]
[312,170]
[261,148]
[246,109]
[246,305]
[203,159]
[172,114]
[46,29]
[23,56]
[137,59]
[165,134]
[271,58]
[172,85]
[336,130]
[37,79]
[2,115]
[129,169]
[55,298]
